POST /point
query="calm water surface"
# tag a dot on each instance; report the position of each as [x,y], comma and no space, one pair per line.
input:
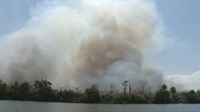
[28,106]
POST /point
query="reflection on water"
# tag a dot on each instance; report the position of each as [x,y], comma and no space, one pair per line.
[28,106]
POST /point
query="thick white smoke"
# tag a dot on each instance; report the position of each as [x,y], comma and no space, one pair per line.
[77,44]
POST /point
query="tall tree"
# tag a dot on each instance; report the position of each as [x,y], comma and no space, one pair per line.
[3,89]
[162,96]
[24,90]
[43,89]
[164,87]
[192,92]
[93,95]
[14,91]
[173,90]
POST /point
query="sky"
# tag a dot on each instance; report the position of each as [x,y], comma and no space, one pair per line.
[179,57]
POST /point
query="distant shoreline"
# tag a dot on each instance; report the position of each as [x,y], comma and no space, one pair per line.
[42,91]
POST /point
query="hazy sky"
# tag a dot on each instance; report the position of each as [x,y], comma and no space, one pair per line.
[180,54]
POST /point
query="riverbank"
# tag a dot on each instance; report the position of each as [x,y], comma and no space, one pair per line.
[42,90]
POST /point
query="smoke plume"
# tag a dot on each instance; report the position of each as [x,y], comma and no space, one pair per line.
[77,44]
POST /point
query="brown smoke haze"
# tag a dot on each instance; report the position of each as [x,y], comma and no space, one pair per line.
[77,44]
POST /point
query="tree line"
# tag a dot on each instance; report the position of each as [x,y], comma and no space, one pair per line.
[42,90]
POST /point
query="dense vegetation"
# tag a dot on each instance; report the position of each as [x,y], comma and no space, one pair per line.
[42,90]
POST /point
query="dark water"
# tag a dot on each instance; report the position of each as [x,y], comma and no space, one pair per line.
[27,106]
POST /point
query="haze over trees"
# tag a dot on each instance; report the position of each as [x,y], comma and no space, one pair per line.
[42,90]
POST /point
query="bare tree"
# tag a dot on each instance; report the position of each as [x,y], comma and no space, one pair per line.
[124,83]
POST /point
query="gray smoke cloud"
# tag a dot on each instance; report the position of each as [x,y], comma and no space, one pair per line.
[77,44]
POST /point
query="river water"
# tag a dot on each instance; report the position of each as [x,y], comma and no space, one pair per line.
[28,106]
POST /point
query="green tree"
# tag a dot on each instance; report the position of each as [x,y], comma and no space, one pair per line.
[24,91]
[192,92]
[162,96]
[43,90]
[192,97]
[173,90]
[68,96]
[164,87]
[14,91]
[92,94]
[3,89]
